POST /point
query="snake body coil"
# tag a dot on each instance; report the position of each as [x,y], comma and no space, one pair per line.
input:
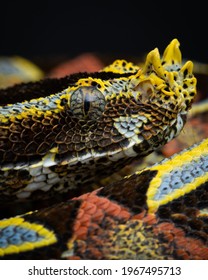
[57,135]
[160,212]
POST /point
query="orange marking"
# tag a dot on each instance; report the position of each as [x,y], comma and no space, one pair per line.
[103,203]
[93,210]
[150,219]
[89,207]
[113,210]
[76,225]
[80,214]
[186,247]
[74,258]
[140,216]
[98,216]
[124,214]
[82,232]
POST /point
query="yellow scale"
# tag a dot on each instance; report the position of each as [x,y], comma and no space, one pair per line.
[175,162]
[45,236]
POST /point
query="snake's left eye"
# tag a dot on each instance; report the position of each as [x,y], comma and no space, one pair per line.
[87,102]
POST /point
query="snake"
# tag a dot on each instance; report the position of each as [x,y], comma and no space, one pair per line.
[59,138]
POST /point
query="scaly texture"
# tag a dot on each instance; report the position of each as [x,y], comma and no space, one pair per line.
[160,212]
[60,134]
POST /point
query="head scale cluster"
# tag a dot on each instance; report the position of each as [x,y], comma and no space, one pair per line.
[89,125]
[166,81]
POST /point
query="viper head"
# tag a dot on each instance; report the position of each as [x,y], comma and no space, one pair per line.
[121,111]
[152,108]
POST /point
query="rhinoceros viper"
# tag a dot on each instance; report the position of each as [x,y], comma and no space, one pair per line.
[58,136]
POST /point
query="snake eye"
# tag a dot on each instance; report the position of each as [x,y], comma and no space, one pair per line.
[87,102]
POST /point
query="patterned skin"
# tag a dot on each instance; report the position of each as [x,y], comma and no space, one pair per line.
[57,135]
[160,212]
[88,127]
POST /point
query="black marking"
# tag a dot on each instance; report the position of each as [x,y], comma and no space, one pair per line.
[27,91]
[63,102]
[185,72]
[141,147]
[184,211]
[24,174]
[94,83]
[20,159]
[192,93]
[130,192]
[87,102]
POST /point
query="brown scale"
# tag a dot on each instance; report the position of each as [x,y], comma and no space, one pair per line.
[184,212]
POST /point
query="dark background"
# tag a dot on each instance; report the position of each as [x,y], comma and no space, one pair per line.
[130,28]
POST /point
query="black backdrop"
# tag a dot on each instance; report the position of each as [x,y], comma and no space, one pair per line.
[118,28]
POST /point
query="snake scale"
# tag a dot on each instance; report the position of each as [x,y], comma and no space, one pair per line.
[61,137]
